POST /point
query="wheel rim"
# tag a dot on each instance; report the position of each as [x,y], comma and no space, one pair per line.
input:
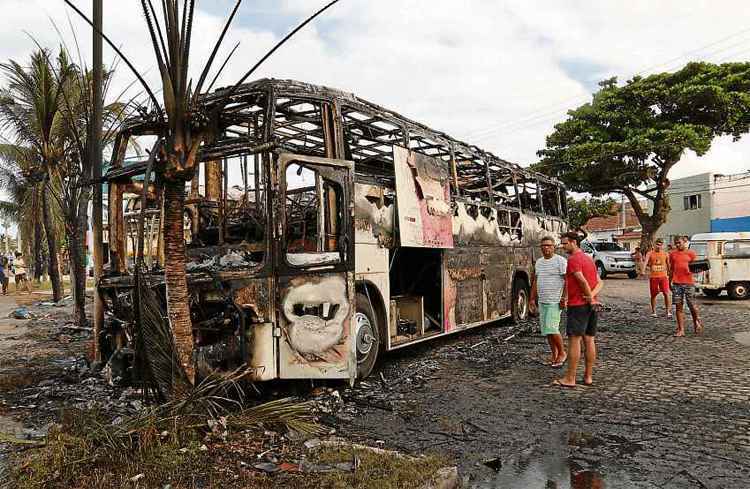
[522,304]
[600,269]
[740,290]
[365,336]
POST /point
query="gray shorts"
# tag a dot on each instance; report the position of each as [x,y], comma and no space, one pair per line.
[683,293]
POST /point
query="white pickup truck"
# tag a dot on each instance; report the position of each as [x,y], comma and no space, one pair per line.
[609,258]
[728,254]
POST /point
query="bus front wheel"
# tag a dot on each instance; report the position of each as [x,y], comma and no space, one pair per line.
[520,306]
[368,336]
[739,290]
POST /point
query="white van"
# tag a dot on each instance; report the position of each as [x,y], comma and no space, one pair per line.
[729,257]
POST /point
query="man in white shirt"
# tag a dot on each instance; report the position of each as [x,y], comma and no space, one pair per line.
[548,288]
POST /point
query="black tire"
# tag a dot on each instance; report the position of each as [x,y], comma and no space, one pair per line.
[632,274]
[519,308]
[712,293]
[367,333]
[739,290]
[601,270]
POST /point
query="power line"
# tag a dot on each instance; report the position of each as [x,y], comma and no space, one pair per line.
[550,113]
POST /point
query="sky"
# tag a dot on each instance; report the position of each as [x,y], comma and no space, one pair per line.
[498,74]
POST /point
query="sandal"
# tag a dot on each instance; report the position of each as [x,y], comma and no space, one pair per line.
[557,383]
[561,362]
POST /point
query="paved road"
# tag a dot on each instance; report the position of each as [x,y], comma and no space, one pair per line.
[665,412]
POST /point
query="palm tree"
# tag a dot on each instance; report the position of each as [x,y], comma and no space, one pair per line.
[185,126]
[30,109]
[23,185]
[73,171]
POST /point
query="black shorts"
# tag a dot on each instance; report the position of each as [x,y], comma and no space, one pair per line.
[581,320]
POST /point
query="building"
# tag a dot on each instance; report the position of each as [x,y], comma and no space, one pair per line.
[707,202]
[730,211]
[610,228]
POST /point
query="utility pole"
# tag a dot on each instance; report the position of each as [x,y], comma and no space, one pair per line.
[623,220]
[95,147]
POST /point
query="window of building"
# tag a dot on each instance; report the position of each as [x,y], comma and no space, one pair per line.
[692,202]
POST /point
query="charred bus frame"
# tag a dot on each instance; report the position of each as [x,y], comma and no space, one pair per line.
[354,231]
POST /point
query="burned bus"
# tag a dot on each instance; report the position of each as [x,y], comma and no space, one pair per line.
[323,230]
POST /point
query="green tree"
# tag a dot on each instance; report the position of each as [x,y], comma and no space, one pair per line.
[628,138]
[72,173]
[30,109]
[580,211]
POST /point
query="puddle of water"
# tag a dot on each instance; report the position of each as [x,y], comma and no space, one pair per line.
[743,338]
[551,465]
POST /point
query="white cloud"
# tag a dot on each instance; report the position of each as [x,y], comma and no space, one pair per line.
[498,74]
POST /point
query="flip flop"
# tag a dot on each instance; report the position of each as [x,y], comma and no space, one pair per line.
[588,384]
[557,383]
[560,364]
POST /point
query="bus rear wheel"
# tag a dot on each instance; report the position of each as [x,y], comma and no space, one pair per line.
[368,336]
[520,305]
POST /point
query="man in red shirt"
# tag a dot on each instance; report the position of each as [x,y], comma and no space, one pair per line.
[582,284]
[683,288]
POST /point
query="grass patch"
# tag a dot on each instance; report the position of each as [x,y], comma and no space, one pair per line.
[77,456]
[375,470]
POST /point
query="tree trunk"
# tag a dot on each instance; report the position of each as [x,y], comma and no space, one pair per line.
[54,267]
[77,226]
[37,247]
[178,305]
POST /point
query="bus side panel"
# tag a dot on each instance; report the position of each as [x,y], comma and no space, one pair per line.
[463,296]
[497,261]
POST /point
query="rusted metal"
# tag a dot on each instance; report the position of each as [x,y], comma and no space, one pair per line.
[289,314]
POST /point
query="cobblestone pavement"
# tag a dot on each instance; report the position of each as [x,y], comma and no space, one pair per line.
[664,412]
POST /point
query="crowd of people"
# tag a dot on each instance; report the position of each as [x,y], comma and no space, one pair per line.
[573,285]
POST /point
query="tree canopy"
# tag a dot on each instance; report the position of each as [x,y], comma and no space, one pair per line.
[629,137]
[580,211]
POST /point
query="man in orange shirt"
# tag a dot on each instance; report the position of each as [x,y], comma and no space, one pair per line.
[683,289]
[657,263]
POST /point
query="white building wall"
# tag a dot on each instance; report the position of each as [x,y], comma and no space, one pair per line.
[681,221]
[730,207]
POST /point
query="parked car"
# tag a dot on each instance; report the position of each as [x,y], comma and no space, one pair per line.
[609,258]
[728,255]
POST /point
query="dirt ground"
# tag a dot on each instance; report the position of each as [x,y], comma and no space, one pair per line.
[664,412]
